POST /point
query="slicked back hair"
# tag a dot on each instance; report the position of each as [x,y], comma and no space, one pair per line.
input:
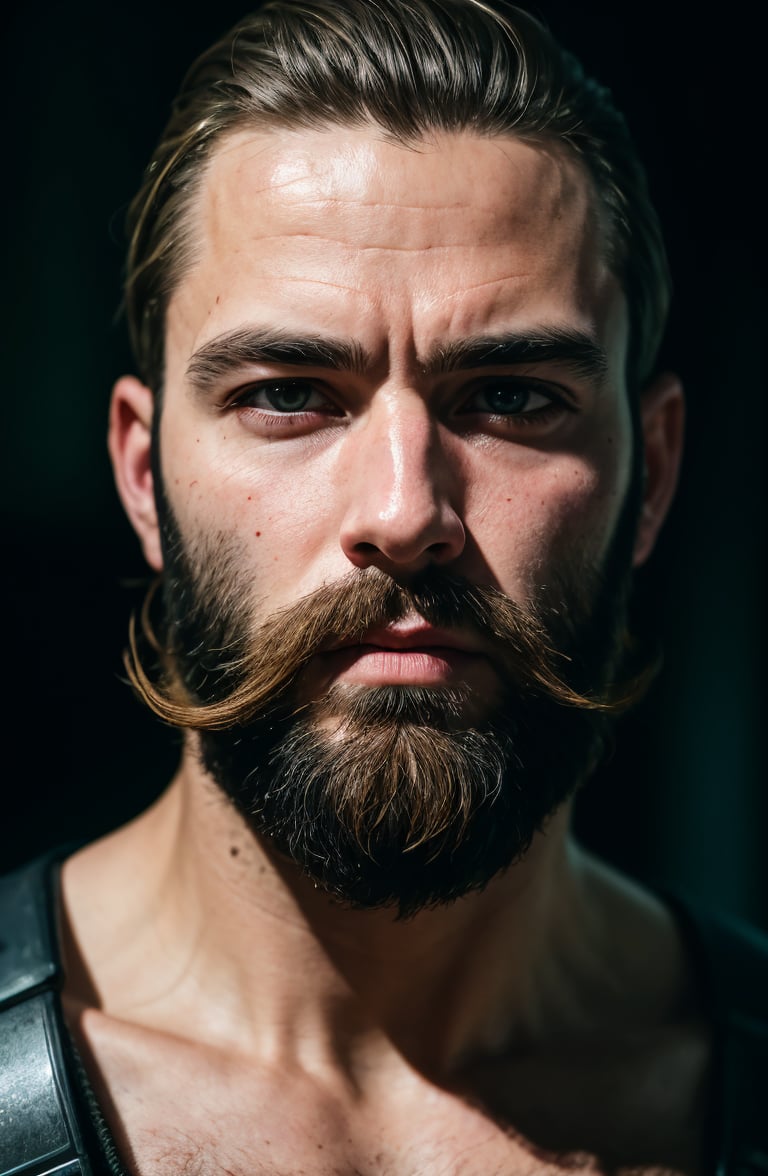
[408,68]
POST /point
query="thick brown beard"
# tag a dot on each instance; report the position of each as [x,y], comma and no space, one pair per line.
[389,796]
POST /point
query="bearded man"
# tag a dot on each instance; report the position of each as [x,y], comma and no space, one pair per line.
[398,441]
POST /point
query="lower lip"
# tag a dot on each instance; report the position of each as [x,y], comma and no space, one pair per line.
[370,665]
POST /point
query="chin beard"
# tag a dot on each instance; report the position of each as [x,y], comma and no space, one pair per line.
[390,797]
[385,798]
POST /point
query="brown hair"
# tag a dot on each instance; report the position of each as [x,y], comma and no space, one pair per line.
[409,67]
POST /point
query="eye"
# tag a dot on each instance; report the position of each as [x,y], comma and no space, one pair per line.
[285,397]
[512,397]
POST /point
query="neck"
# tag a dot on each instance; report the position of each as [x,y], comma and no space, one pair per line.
[247,954]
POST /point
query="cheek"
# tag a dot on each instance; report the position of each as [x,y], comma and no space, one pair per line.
[271,512]
[563,507]
[582,505]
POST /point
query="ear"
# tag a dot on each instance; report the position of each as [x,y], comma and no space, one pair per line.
[130,447]
[662,420]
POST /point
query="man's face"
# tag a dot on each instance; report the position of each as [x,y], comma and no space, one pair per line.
[406,454]
[407,360]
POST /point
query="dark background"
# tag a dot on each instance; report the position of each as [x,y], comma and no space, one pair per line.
[683,801]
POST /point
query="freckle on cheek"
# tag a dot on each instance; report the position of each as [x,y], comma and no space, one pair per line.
[258,534]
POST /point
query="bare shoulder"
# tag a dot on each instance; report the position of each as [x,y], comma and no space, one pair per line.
[628,1085]
[636,1103]
[652,971]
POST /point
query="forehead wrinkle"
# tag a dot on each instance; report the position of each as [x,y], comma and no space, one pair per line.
[516,277]
[307,235]
[398,206]
[560,176]
[309,281]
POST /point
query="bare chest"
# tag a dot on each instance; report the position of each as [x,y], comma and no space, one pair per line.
[187,1116]
[298,1131]
[239,1146]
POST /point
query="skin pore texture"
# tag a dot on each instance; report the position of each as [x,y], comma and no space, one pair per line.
[233,1017]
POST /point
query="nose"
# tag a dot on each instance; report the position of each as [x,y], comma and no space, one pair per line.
[402,501]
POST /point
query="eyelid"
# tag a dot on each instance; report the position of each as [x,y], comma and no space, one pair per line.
[555,393]
[551,384]
[235,398]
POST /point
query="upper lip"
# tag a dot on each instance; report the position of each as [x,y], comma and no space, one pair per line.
[412,635]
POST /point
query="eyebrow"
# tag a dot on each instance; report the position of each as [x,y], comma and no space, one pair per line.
[572,348]
[240,348]
[245,346]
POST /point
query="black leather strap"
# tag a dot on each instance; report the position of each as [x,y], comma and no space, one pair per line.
[39,1132]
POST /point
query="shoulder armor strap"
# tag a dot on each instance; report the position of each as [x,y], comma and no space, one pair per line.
[735,961]
[29,953]
[39,1133]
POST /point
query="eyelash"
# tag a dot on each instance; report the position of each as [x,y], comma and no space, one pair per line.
[536,417]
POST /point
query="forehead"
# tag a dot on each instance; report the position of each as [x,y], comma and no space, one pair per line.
[341,230]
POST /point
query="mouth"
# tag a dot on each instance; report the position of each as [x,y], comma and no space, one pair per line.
[414,634]
[408,653]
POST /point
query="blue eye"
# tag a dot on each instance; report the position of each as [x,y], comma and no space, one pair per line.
[510,398]
[288,398]
[285,396]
